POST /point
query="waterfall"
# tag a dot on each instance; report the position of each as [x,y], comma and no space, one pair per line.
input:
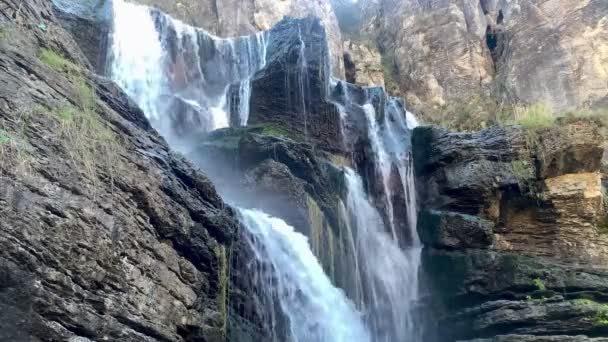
[170,67]
[182,77]
[316,310]
[390,273]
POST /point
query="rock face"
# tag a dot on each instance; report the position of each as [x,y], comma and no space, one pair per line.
[363,65]
[229,18]
[297,74]
[104,232]
[517,221]
[517,51]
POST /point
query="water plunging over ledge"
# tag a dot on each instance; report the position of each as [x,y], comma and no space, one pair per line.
[181,76]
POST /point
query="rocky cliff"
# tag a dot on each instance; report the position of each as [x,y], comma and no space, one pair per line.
[105,233]
[442,53]
[516,215]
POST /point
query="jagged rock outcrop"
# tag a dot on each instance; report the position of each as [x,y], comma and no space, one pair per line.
[104,232]
[230,18]
[292,90]
[516,215]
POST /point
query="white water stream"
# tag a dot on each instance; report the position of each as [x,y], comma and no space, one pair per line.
[160,78]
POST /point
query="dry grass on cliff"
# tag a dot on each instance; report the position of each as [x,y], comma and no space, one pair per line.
[483,111]
[90,143]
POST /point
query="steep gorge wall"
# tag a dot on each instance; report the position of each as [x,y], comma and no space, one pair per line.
[443,53]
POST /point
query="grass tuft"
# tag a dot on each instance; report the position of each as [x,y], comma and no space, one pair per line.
[535,116]
[90,143]
[540,285]
[55,61]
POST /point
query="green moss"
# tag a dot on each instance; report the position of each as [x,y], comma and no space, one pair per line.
[55,61]
[5,138]
[223,281]
[277,131]
[540,285]
[601,317]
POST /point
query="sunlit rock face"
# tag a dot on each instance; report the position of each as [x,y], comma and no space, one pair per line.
[553,51]
[229,18]
[520,51]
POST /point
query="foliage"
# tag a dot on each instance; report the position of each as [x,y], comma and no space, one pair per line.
[540,285]
[472,114]
[55,61]
[522,170]
[534,116]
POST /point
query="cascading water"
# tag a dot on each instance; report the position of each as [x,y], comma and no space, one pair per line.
[157,61]
[316,310]
[388,259]
[170,67]
[390,274]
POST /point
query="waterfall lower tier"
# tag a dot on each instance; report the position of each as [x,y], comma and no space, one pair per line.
[389,273]
[290,274]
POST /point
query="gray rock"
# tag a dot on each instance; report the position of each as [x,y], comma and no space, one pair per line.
[454,231]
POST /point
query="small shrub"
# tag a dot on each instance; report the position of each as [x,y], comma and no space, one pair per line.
[56,61]
[540,285]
